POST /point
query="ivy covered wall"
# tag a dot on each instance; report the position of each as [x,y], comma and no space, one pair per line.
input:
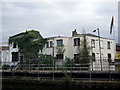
[29,43]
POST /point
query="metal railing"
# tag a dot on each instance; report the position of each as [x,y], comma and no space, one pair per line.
[29,70]
[80,67]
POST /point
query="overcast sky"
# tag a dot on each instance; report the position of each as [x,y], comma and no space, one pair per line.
[58,18]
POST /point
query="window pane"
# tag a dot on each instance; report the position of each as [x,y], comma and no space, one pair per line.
[76,41]
[93,43]
[14,56]
[47,45]
[93,56]
[51,44]
[108,45]
[109,57]
[59,42]
[76,58]
[14,45]
[59,56]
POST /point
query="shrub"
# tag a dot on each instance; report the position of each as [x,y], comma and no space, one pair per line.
[6,67]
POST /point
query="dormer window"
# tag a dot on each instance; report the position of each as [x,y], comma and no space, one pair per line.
[14,45]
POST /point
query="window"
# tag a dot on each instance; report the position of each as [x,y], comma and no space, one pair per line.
[93,56]
[92,43]
[14,45]
[108,45]
[76,58]
[77,42]
[51,44]
[21,59]
[59,42]
[59,56]
[47,45]
[109,57]
[14,56]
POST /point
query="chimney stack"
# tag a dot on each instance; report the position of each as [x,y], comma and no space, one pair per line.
[74,33]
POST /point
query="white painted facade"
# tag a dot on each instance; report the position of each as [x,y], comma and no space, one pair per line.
[4,55]
[53,50]
[11,50]
[70,50]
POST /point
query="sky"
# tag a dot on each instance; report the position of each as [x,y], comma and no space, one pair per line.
[58,18]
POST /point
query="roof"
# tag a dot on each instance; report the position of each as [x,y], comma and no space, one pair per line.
[17,35]
[92,35]
[56,37]
[21,34]
[88,34]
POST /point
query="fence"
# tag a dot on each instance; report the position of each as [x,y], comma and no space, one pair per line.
[92,66]
[53,71]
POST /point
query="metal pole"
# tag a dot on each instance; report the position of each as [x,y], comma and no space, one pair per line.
[100,48]
[53,60]
[53,69]
[38,70]
[29,65]
[71,67]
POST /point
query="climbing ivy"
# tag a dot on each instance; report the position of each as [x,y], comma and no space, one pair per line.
[29,43]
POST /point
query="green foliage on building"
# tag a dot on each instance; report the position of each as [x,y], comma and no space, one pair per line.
[29,43]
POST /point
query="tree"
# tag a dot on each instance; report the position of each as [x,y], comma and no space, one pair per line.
[60,49]
[45,59]
[69,62]
[29,44]
[84,52]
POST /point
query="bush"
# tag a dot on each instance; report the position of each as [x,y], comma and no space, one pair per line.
[6,67]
